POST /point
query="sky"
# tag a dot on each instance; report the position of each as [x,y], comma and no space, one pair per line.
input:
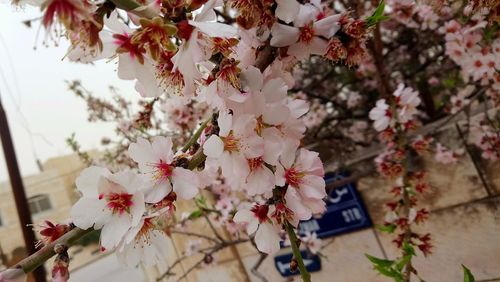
[36,98]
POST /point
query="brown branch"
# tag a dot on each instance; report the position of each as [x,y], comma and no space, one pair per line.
[255,268]
[37,259]
[195,235]
[377,46]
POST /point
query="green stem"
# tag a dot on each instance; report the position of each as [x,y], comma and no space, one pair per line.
[196,135]
[306,277]
[197,159]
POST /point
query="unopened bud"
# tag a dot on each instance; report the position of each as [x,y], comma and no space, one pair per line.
[294,264]
[208,259]
[60,248]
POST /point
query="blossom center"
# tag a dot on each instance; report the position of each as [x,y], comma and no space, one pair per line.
[260,125]
[230,72]
[145,231]
[231,143]
[306,34]
[118,202]
[255,163]
[293,177]
[260,212]
[125,45]
[163,170]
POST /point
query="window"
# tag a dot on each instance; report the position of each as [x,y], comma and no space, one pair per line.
[39,203]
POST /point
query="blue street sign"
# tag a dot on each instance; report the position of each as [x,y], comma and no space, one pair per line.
[345,211]
[282,263]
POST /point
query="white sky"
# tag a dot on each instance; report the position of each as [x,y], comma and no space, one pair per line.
[42,95]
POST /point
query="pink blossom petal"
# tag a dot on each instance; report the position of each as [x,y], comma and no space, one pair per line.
[86,213]
[267,239]
[313,187]
[296,204]
[87,182]
[157,192]
[246,216]
[185,182]
[113,231]
[252,79]
[327,26]
[284,35]
[162,148]
[287,10]
[213,147]
[274,90]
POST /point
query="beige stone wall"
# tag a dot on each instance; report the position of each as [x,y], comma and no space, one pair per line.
[56,181]
[68,167]
[47,182]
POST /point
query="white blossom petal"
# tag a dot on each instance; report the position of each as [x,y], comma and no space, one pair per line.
[185,183]
[213,147]
[284,35]
[287,10]
[267,239]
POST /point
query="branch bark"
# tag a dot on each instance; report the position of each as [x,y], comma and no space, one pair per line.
[37,259]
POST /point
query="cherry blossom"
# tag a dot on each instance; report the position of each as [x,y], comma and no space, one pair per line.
[304,37]
[257,221]
[236,142]
[381,115]
[306,187]
[460,100]
[408,100]
[111,202]
[143,243]
[157,160]
[312,242]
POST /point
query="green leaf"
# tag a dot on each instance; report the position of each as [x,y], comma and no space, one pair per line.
[408,249]
[379,261]
[196,214]
[402,262]
[387,228]
[201,202]
[490,31]
[377,16]
[468,277]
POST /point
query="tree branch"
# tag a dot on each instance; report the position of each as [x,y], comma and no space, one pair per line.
[37,259]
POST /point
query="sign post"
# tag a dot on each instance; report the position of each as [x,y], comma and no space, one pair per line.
[345,212]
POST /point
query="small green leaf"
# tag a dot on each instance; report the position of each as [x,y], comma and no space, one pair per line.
[387,228]
[201,202]
[402,262]
[408,249]
[468,277]
[196,214]
[379,261]
[377,16]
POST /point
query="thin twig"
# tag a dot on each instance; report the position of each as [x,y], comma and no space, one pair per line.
[195,235]
[213,228]
[255,268]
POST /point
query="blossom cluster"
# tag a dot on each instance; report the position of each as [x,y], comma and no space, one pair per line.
[186,53]
[396,121]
